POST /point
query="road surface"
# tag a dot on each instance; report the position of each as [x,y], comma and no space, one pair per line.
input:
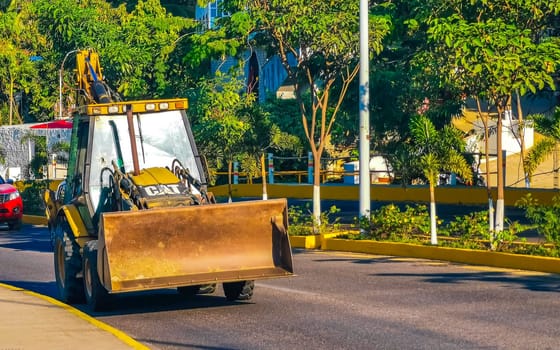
[336,301]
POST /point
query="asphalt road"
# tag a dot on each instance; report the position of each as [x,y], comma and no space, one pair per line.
[336,301]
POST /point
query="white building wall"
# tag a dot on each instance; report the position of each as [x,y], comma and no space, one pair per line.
[510,133]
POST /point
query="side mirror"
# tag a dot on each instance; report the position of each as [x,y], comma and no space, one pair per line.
[10,181]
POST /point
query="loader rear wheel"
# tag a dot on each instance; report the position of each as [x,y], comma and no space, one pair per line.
[239,290]
[67,265]
[97,296]
[194,290]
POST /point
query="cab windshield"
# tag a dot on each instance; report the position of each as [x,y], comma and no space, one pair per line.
[161,138]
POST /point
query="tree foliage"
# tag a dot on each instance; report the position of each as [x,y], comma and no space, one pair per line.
[549,127]
[231,127]
[424,54]
[134,46]
[40,158]
[317,43]
[134,43]
[437,151]
[21,47]
[492,49]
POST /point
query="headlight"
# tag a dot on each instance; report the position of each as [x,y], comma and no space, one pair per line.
[13,195]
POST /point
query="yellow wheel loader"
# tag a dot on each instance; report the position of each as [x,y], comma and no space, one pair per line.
[134,212]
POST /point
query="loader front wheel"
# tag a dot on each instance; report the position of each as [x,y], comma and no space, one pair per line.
[67,265]
[97,296]
[191,291]
[239,290]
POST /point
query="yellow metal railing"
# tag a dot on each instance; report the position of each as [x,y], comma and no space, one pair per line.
[302,175]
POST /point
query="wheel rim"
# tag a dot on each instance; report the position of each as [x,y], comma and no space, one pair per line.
[87,278]
[60,264]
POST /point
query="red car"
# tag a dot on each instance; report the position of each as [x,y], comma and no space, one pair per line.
[11,205]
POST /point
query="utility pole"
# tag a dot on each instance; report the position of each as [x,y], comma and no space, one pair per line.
[365,202]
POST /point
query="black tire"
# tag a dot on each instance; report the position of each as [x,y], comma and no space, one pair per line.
[97,297]
[239,290]
[67,265]
[194,290]
[14,225]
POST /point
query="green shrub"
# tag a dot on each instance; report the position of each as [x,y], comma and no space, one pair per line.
[389,222]
[412,225]
[301,221]
[536,249]
[546,218]
[32,196]
[503,241]
[467,227]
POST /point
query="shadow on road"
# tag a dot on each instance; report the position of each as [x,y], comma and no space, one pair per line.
[159,301]
[137,302]
[544,283]
[31,238]
[539,283]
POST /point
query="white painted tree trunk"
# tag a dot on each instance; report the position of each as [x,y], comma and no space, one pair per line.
[230,168]
[316,207]
[263,175]
[433,224]
[490,215]
[499,216]
[499,223]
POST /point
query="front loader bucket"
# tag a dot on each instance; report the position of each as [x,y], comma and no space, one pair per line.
[161,248]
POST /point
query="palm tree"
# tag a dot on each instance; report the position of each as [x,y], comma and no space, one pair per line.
[437,151]
[549,127]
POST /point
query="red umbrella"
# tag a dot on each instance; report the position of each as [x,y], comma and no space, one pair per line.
[55,124]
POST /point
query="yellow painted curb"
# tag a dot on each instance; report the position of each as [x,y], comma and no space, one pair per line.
[307,242]
[311,241]
[466,256]
[35,220]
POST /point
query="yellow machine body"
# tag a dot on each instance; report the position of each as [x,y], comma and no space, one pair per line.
[134,212]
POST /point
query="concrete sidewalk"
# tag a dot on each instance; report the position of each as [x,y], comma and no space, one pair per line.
[29,320]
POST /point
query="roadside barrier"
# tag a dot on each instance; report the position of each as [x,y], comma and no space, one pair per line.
[460,195]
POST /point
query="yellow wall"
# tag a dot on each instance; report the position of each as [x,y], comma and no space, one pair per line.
[387,193]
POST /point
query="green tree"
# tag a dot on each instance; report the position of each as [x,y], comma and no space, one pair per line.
[61,150]
[19,42]
[220,123]
[134,46]
[402,77]
[230,126]
[265,135]
[549,127]
[437,151]
[479,43]
[41,156]
[151,34]
[322,38]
